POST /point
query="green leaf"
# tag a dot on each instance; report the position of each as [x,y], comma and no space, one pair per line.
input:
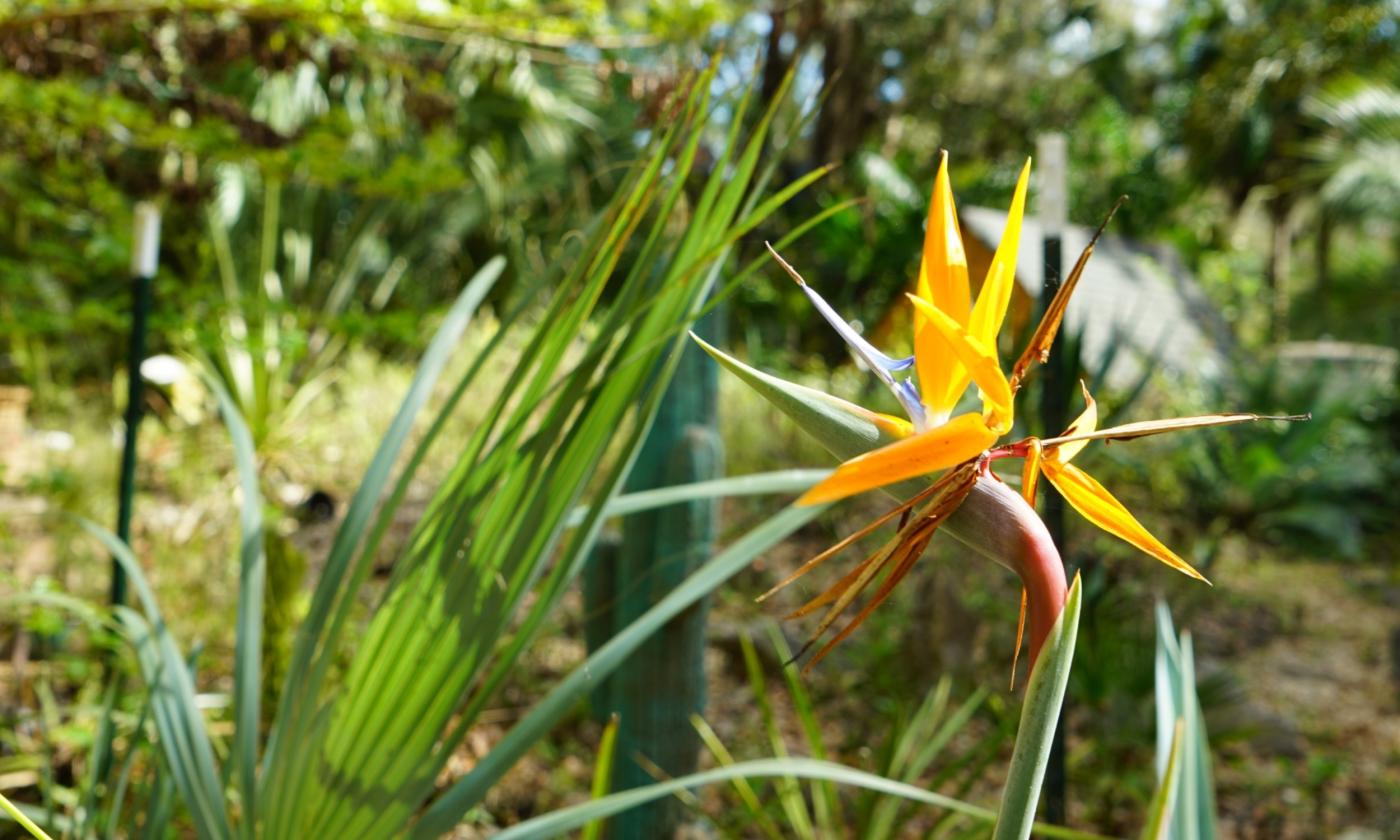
[489,561]
[602,776]
[1193,814]
[919,745]
[189,755]
[756,484]
[747,795]
[790,797]
[843,428]
[1040,713]
[252,581]
[558,822]
[826,800]
[1159,813]
[287,756]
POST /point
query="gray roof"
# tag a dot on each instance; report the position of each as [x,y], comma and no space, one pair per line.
[1141,298]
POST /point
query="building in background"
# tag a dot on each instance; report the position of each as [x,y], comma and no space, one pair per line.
[1135,302]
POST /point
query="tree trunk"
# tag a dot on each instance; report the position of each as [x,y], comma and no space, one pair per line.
[848,111]
[775,64]
[1322,263]
[1280,262]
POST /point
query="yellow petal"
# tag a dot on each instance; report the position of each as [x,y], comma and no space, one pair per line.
[936,449]
[942,282]
[1084,424]
[980,361]
[992,302]
[896,426]
[1099,506]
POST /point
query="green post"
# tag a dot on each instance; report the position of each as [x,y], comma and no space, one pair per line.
[145,250]
[145,253]
[1054,409]
[663,683]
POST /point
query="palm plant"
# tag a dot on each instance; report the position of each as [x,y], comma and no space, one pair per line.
[1354,162]
[362,728]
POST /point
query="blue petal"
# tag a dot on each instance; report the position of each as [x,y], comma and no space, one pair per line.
[904,390]
[874,358]
[908,394]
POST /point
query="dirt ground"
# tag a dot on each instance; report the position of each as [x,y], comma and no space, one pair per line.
[1306,729]
[1300,670]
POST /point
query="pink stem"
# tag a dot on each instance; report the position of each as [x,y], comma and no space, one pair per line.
[997,523]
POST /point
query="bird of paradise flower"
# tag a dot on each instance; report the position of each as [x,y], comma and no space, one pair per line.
[955,347]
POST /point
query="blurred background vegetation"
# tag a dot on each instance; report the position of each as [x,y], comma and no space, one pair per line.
[331,172]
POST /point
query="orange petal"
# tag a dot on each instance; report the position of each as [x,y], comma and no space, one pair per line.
[925,452]
[942,282]
[944,273]
[979,359]
[1030,471]
[1020,634]
[990,310]
[1097,505]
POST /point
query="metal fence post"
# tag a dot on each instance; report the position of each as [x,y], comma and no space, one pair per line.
[1053,201]
[145,252]
[655,692]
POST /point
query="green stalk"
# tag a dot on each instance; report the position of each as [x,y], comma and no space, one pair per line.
[1045,692]
[19,816]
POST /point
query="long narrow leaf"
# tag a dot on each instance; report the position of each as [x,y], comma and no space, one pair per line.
[825,798]
[1159,812]
[1193,814]
[460,581]
[252,582]
[844,429]
[10,809]
[286,754]
[755,484]
[558,822]
[602,775]
[753,807]
[790,797]
[183,738]
[1040,713]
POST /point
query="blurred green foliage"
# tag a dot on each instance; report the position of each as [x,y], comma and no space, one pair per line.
[1199,111]
[1224,123]
[456,128]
